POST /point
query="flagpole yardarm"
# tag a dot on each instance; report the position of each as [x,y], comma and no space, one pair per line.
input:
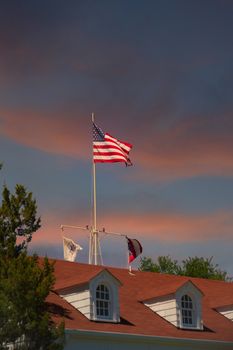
[134,248]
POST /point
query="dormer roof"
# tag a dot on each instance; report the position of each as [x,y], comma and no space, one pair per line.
[170,289]
[70,277]
[190,284]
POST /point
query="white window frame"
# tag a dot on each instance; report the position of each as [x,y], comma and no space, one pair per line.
[103,302]
[188,311]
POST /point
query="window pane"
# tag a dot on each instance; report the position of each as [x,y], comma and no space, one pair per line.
[106,312]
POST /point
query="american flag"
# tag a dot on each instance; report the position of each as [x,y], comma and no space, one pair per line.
[107,149]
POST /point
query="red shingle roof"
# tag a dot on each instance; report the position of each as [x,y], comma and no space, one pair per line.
[136,318]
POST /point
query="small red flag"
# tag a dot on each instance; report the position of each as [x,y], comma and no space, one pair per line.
[134,247]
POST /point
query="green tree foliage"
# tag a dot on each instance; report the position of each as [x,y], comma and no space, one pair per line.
[164,265]
[25,282]
[203,267]
[192,267]
[17,221]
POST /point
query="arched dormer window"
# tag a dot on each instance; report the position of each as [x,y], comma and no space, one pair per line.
[188,315]
[103,302]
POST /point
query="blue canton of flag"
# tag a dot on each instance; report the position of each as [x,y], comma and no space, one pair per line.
[98,134]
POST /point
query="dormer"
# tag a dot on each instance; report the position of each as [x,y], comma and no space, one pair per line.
[97,299]
[182,308]
[189,306]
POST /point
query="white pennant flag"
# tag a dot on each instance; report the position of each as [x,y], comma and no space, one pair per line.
[70,249]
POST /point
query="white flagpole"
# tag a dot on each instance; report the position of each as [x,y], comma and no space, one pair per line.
[94,187]
[94,244]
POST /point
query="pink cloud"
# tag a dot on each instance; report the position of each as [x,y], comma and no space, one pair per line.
[174,227]
[50,231]
[51,133]
[188,149]
[164,227]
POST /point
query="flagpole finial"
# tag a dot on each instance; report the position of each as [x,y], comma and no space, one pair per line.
[93,117]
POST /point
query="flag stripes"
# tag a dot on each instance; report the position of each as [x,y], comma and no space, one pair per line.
[107,149]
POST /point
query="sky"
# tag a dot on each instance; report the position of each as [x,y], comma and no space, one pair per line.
[157,74]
